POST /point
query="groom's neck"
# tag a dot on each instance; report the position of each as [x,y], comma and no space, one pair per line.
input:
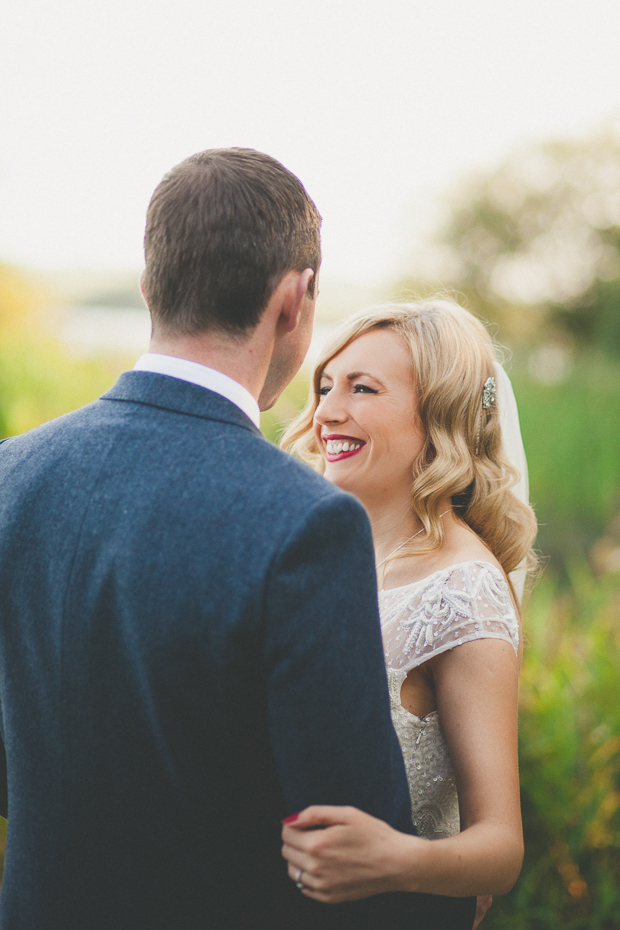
[245,359]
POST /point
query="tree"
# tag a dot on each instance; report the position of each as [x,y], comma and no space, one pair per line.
[542,233]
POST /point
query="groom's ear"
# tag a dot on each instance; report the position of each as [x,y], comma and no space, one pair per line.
[142,287]
[296,295]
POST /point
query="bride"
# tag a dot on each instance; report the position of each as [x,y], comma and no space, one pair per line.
[405,416]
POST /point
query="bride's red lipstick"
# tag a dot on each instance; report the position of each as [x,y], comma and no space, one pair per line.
[337,437]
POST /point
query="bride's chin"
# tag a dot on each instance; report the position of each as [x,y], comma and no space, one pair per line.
[341,481]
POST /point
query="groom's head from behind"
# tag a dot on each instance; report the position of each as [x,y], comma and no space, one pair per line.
[223,230]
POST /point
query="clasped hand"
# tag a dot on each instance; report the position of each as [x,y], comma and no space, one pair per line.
[345,854]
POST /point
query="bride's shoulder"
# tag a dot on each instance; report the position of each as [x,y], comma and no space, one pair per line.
[463,546]
[456,604]
[463,577]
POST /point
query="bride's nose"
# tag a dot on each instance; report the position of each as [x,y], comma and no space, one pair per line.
[331,410]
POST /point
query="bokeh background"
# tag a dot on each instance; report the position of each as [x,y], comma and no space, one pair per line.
[468,147]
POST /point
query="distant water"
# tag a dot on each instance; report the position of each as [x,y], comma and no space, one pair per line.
[98,330]
[93,330]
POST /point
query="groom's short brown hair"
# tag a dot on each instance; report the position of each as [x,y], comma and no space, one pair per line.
[222,229]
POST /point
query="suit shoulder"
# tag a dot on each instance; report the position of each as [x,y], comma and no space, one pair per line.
[291,475]
[51,435]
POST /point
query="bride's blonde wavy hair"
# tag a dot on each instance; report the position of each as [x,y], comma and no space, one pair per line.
[452,356]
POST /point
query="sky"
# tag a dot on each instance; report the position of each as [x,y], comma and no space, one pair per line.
[379,108]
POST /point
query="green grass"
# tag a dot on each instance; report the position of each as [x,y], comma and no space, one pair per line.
[39,380]
[571,433]
[293,399]
[569,760]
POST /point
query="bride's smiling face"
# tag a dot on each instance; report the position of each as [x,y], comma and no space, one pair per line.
[366,423]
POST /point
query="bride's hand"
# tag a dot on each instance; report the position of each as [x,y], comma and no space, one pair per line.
[345,854]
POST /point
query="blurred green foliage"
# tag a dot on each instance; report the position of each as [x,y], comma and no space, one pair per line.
[40,380]
[569,760]
[535,244]
[286,408]
[571,432]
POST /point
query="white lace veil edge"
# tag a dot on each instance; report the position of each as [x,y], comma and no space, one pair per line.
[513,446]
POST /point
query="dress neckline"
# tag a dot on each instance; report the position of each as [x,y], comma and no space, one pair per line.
[440,571]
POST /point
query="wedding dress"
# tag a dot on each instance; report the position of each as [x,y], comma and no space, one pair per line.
[420,620]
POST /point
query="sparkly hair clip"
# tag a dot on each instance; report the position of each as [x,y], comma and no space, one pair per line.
[489,393]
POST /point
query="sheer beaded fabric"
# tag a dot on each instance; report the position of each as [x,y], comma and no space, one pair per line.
[420,620]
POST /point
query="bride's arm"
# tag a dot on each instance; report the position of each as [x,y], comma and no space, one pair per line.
[357,855]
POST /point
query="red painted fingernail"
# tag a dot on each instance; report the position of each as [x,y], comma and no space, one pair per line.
[291,818]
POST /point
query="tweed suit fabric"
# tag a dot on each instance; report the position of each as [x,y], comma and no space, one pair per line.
[189,651]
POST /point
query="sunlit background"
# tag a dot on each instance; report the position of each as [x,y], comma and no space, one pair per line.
[473,146]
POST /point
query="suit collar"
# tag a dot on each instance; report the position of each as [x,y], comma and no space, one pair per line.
[167,393]
[205,377]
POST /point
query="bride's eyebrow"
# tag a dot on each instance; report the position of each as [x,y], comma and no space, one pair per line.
[353,375]
[364,374]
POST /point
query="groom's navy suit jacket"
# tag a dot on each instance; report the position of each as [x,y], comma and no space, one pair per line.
[189,651]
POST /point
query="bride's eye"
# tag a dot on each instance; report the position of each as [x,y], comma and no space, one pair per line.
[363,389]
[323,390]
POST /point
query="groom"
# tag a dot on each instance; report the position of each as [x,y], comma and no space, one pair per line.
[189,642]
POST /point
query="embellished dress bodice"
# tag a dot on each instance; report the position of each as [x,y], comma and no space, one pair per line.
[420,620]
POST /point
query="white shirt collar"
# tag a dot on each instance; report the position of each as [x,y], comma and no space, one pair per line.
[205,377]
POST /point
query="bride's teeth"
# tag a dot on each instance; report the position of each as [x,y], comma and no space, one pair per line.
[336,446]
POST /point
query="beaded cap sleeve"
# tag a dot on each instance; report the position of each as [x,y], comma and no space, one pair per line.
[453,606]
